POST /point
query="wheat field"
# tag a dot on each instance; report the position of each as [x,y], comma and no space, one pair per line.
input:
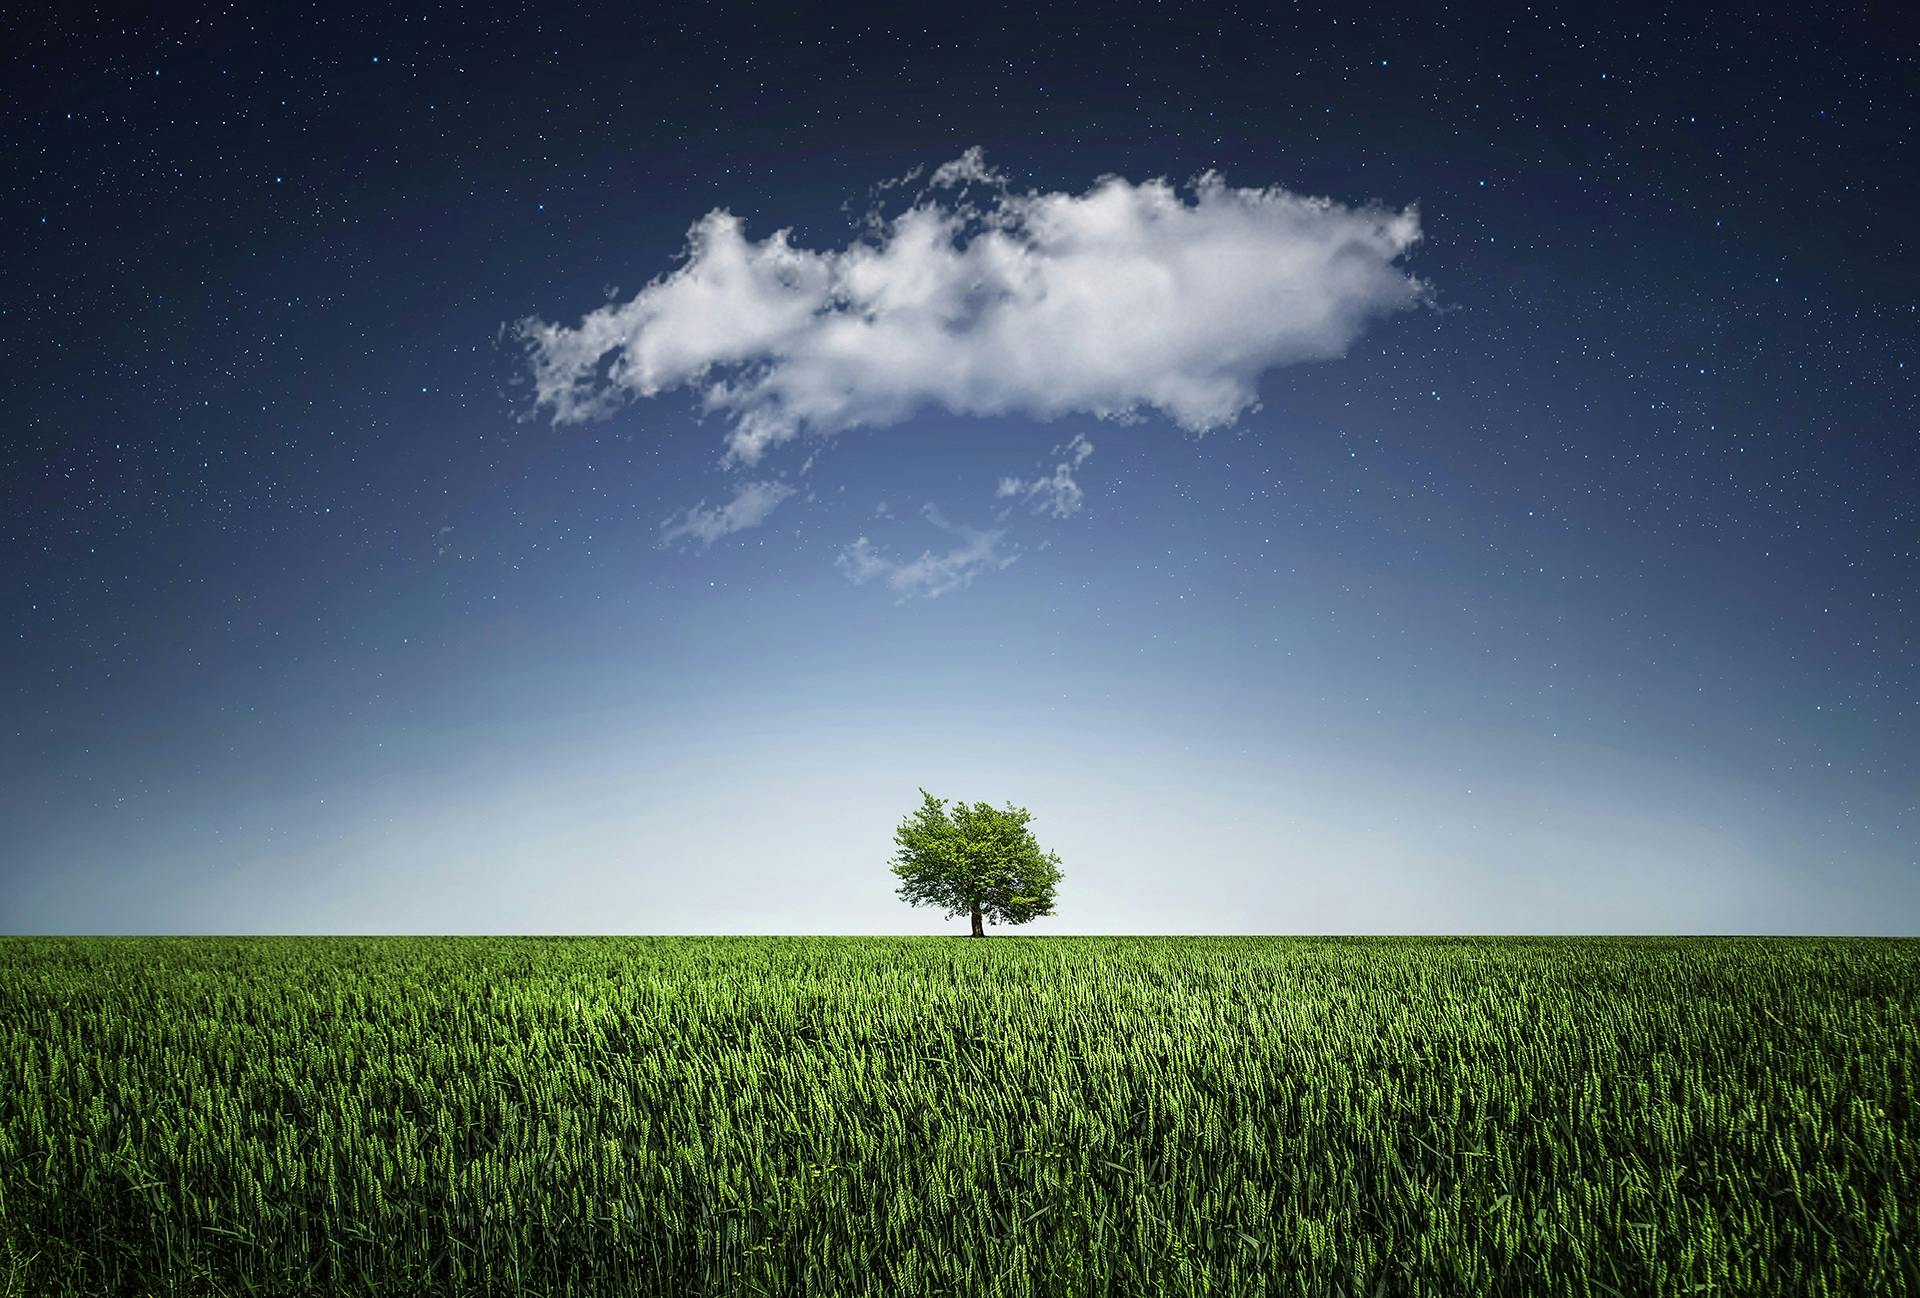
[1030,1116]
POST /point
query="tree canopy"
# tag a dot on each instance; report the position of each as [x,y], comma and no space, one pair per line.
[974,859]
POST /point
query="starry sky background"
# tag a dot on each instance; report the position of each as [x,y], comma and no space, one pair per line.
[1585,599]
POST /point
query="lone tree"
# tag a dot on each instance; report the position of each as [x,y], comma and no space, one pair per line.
[975,859]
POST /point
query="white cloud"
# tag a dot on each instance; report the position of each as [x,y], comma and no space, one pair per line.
[749,508]
[931,574]
[1125,298]
[1057,494]
[967,169]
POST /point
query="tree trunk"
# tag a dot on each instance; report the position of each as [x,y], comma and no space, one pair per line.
[978,929]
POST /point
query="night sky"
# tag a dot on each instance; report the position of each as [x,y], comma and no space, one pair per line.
[425,510]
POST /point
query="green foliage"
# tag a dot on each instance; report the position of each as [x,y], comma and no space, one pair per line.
[1061,1116]
[974,859]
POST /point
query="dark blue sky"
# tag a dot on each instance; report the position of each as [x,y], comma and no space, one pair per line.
[1582,596]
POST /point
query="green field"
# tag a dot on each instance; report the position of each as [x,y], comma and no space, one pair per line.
[1045,1116]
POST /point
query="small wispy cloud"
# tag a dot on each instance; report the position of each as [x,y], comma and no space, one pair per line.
[1125,298]
[1058,494]
[749,508]
[931,575]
